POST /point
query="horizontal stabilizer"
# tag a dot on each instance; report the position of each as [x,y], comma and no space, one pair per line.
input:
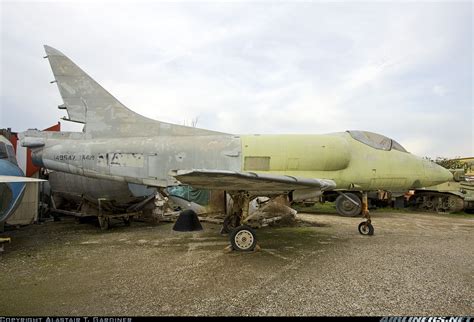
[248,181]
[32,142]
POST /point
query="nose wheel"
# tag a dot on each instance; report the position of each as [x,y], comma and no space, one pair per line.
[365,227]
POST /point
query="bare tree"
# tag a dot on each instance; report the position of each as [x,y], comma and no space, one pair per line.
[194,121]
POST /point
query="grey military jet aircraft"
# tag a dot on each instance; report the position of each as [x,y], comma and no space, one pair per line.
[119,144]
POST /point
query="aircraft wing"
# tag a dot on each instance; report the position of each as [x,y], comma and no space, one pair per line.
[7,179]
[248,181]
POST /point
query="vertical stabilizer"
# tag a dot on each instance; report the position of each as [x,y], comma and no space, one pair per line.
[88,102]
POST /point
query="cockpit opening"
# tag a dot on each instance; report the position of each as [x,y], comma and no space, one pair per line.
[7,152]
[3,151]
[377,141]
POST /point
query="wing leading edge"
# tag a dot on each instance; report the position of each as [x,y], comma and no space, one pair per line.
[248,181]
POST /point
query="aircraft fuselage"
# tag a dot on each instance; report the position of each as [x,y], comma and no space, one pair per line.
[11,193]
[353,165]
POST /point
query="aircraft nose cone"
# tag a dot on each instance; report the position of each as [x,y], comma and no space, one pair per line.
[446,175]
[436,174]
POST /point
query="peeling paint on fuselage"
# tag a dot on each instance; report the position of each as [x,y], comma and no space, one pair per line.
[141,160]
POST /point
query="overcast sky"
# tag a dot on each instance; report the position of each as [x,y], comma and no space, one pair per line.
[402,69]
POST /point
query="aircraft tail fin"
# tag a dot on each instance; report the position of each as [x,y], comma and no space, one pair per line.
[103,115]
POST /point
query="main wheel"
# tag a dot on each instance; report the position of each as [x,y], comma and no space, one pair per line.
[243,238]
[366,228]
[347,208]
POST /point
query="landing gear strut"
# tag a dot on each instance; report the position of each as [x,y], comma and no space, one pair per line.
[230,223]
[365,227]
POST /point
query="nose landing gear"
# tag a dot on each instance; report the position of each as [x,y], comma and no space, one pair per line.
[365,227]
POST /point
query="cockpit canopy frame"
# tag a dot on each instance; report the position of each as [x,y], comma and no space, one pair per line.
[7,152]
[377,141]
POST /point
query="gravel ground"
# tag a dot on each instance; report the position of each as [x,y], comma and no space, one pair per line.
[415,264]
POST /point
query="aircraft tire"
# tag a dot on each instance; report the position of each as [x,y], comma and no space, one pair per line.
[366,229]
[243,238]
[346,208]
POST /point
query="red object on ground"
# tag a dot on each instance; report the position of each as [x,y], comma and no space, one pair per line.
[30,167]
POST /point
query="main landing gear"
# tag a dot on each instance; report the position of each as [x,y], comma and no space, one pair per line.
[242,237]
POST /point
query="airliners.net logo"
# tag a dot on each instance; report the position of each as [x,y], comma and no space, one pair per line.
[426,319]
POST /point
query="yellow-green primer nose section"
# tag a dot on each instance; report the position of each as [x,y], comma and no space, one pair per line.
[435,174]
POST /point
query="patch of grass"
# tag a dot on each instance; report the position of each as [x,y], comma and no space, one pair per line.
[411,211]
[392,210]
[317,208]
[461,214]
[330,208]
[290,235]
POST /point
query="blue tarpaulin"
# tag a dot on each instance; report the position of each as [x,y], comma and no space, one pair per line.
[190,194]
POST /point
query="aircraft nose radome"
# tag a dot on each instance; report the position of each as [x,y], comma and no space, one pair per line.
[447,175]
[435,174]
[441,174]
